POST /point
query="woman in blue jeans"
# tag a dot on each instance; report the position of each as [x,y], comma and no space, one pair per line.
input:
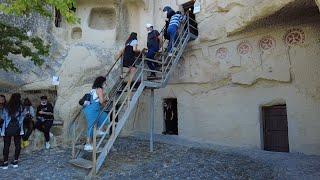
[93,110]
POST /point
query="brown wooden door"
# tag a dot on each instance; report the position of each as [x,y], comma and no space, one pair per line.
[275,128]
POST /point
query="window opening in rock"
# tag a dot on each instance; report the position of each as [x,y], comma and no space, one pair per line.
[188,9]
[102,18]
[57,18]
[170,114]
[275,128]
[76,33]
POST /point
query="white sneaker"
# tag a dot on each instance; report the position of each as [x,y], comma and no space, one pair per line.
[88,147]
[100,133]
[170,54]
[15,164]
[47,145]
[4,165]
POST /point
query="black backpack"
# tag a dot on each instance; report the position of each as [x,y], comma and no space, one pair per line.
[86,97]
[13,128]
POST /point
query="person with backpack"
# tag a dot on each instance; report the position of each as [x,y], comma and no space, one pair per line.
[28,122]
[93,109]
[12,128]
[153,44]
[169,12]
[45,119]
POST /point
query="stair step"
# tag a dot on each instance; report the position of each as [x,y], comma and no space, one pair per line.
[83,163]
[81,147]
[153,78]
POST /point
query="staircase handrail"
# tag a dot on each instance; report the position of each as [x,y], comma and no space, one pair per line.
[109,100]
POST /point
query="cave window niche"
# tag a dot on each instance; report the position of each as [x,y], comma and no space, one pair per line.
[76,33]
[102,19]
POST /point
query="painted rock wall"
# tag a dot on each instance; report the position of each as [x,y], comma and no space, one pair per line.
[249,54]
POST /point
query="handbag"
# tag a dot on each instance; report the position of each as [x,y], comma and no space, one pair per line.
[85,99]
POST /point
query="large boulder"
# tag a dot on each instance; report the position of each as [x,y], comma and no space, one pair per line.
[82,65]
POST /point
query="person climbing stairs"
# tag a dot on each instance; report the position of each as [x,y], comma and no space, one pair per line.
[124,98]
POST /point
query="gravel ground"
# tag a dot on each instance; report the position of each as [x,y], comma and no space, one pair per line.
[172,159]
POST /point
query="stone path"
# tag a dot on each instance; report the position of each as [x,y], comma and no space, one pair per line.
[131,159]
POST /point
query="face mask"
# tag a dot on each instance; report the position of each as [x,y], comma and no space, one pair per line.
[149,30]
[43,103]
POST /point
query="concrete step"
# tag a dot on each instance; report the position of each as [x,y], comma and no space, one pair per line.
[83,163]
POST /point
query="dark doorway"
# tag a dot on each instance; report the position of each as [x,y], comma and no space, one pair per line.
[170,114]
[275,127]
[188,9]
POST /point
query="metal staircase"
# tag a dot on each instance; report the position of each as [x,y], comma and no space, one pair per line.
[124,97]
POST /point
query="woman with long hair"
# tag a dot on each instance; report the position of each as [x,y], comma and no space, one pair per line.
[92,111]
[12,127]
[28,122]
[129,54]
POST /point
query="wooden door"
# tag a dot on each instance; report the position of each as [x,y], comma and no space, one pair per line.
[275,128]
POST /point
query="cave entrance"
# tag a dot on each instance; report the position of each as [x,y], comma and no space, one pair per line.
[188,9]
[170,114]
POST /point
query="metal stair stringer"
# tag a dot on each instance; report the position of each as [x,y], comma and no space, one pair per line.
[120,125]
[176,60]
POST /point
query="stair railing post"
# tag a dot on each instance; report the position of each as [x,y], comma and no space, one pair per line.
[73,139]
[162,66]
[94,151]
[142,70]
[151,118]
[162,57]
[188,23]
[113,117]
